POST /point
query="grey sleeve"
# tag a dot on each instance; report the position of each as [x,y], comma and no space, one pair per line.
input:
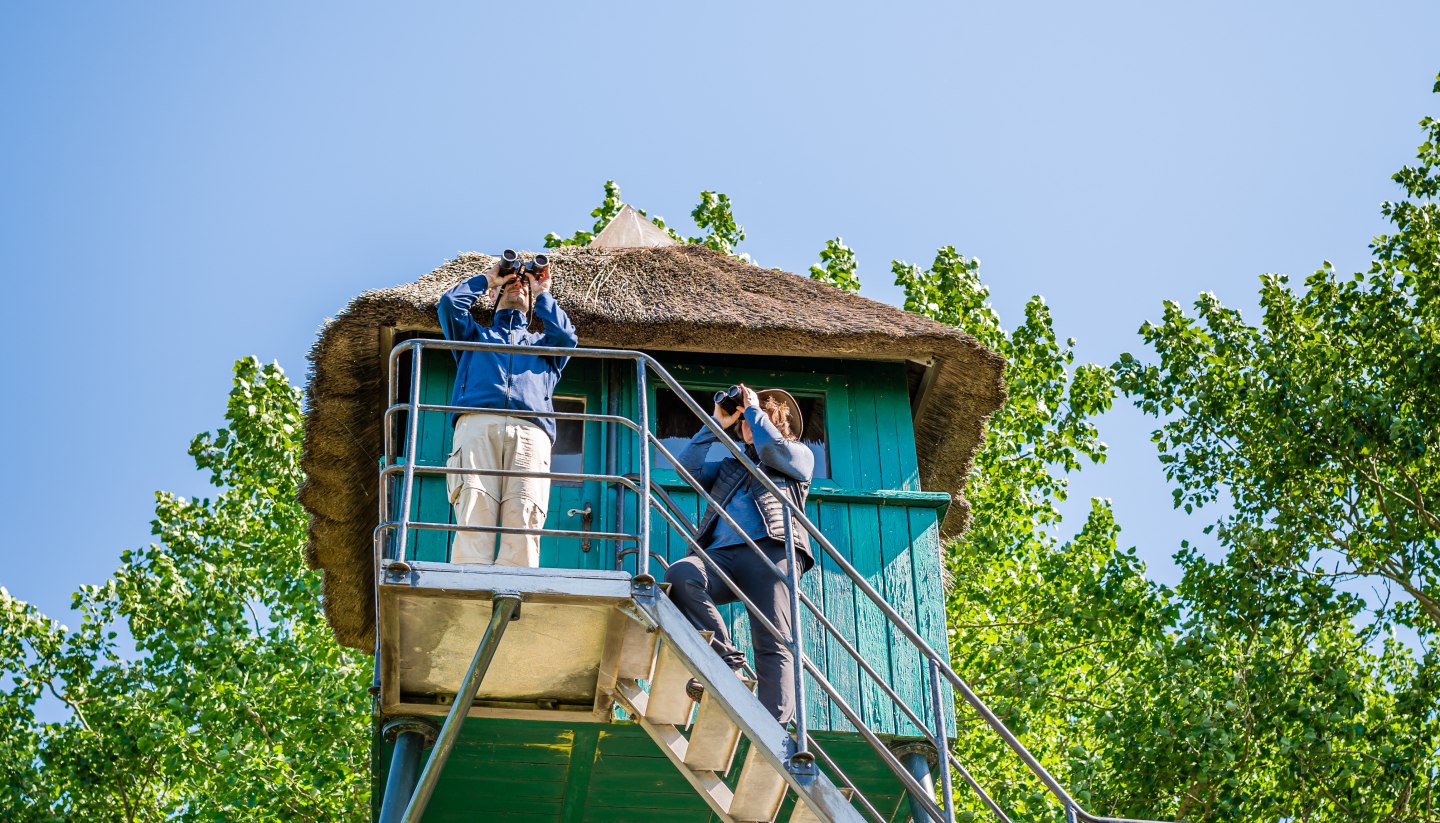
[791,458]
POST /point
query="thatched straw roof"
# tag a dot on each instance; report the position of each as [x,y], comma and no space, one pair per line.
[685,298]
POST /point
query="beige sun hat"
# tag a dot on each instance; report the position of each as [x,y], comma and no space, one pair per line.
[797,421]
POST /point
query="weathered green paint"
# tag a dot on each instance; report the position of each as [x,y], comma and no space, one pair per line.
[871,508]
[880,497]
[582,766]
[533,770]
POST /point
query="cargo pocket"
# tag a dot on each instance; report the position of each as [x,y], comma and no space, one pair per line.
[455,484]
[532,454]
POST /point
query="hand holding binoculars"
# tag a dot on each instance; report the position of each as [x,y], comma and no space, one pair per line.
[729,400]
[512,266]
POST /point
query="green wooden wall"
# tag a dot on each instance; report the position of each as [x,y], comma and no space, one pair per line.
[540,771]
[871,508]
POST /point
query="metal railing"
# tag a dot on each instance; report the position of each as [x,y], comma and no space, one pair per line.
[399,525]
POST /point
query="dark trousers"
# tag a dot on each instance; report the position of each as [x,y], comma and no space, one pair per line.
[696,590]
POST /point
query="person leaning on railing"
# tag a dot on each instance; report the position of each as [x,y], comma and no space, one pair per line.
[503,380]
[770,425]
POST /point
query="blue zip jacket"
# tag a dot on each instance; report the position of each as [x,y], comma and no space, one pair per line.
[503,380]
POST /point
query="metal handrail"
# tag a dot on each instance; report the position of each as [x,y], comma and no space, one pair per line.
[645,364]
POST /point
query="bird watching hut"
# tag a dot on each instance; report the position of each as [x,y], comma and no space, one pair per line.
[557,693]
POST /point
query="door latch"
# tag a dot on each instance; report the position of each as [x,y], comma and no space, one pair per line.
[587,516]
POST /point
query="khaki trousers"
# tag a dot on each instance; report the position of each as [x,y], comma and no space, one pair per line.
[495,441]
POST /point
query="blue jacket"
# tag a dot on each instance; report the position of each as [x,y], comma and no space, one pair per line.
[499,379]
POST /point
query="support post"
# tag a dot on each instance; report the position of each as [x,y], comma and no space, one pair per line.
[917,759]
[802,761]
[644,581]
[411,736]
[942,742]
[506,608]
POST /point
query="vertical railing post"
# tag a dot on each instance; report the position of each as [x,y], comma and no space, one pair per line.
[802,761]
[412,430]
[642,524]
[942,741]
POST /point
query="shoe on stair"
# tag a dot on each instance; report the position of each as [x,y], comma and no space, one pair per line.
[696,690]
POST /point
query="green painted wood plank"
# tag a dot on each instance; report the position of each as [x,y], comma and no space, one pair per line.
[867,552]
[696,811]
[432,502]
[493,731]
[536,755]
[639,791]
[582,766]
[895,468]
[899,591]
[502,767]
[892,414]
[626,739]
[930,596]
[882,497]
[871,627]
[893,404]
[822,492]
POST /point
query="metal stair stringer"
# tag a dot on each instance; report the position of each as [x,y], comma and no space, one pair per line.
[767,737]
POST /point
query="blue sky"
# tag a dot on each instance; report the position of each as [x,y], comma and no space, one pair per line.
[185,184]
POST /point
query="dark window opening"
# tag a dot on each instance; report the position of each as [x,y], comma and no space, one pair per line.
[569,452]
[675,424]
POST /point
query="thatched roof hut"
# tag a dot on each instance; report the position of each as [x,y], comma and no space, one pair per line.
[676,298]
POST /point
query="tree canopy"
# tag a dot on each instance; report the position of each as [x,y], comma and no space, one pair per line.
[233,701]
[1320,426]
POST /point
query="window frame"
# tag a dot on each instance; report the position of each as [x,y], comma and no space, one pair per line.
[833,387]
[583,424]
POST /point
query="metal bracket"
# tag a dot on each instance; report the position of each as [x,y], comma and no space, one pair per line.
[800,764]
[418,725]
[507,595]
[921,747]
[644,588]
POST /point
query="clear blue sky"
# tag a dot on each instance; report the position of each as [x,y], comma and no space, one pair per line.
[188,183]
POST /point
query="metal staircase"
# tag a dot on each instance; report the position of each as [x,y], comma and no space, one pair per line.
[640,658]
[727,711]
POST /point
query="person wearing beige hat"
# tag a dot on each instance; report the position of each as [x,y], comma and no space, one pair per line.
[770,424]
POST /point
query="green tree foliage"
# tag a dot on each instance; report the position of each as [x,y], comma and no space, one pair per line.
[1241,695]
[236,703]
[712,215]
[1321,424]
[837,266]
[603,214]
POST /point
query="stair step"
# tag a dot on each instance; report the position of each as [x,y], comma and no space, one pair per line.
[708,784]
[637,650]
[669,704]
[714,738]
[804,814]
[759,791]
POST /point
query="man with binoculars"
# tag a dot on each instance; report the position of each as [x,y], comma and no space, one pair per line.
[512,382]
[770,424]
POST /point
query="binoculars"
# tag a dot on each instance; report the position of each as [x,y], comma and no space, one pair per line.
[729,399]
[510,263]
